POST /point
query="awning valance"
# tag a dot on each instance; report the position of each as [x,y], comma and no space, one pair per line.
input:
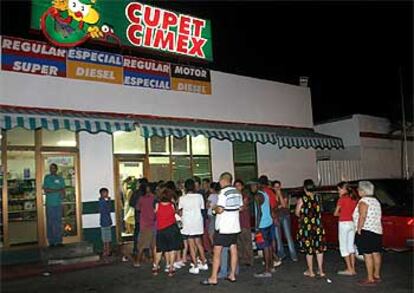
[284,137]
[72,123]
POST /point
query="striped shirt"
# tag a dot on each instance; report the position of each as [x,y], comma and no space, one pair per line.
[228,222]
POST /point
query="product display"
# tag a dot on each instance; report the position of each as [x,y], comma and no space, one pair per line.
[22,200]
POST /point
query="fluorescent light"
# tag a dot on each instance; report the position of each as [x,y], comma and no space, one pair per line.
[69,143]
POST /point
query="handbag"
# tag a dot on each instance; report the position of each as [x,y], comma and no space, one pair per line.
[258,238]
[258,235]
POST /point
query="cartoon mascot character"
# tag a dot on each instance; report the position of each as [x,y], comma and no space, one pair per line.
[68,23]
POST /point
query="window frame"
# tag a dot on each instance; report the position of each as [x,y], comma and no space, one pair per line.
[170,155]
[238,164]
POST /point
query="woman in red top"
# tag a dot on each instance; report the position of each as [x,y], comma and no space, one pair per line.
[344,209]
[168,238]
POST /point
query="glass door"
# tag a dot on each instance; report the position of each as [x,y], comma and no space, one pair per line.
[67,168]
[128,173]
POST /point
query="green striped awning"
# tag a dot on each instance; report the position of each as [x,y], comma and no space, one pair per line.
[90,124]
[284,137]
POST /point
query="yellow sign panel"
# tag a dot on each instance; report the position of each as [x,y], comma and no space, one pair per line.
[191,86]
[94,72]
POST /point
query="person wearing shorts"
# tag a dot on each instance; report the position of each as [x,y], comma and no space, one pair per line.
[146,237]
[168,239]
[346,229]
[105,220]
[190,207]
[367,219]
[265,226]
[227,227]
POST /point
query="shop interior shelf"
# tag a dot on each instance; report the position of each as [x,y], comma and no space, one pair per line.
[22,199]
[22,211]
[22,220]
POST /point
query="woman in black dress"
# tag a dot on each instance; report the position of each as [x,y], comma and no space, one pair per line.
[311,235]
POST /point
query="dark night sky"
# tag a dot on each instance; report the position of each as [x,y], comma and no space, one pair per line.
[350,50]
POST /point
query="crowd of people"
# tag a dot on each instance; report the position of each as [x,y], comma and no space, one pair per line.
[198,224]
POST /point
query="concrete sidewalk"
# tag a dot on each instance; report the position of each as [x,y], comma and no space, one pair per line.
[123,277]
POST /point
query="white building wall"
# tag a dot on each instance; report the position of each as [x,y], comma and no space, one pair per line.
[290,166]
[379,157]
[373,124]
[234,98]
[96,161]
[347,129]
[221,157]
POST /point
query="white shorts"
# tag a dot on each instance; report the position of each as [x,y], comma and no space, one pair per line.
[346,238]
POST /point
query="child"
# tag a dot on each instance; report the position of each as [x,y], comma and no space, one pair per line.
[105,220]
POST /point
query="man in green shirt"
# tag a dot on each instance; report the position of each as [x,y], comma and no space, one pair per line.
[54,188]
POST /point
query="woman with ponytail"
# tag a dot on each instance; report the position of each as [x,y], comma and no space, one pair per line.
[346,229]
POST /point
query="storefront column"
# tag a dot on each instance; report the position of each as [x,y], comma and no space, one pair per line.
[221,157]
[97,171]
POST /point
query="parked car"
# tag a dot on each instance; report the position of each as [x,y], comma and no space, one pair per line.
[396,197]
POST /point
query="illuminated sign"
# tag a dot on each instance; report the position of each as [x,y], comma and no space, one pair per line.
[190,79]
[94,65]
[34,57]
[27,56]
[146,73]
[68,23]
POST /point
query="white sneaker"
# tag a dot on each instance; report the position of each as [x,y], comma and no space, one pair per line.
[194,270]
[167,269]
[182,264]
[177,265]
[277,263]
[203,267]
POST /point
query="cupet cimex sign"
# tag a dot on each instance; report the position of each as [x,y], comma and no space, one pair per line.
[69,23]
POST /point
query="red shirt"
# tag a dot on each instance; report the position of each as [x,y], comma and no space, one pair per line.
[147,215]
[348,206]
[165,216]
[272,197]
[245,214]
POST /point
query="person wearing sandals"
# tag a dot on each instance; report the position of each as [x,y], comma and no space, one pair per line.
[105,220]
[311,235]
[264,226]
[168,239]
[227,228]
[368,239]
[346,229]
[190,208]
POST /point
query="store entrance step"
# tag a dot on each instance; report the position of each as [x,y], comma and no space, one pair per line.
[69,253]
[74,260]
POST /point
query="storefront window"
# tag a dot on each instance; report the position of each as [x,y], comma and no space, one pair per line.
[128,142]
[181,169]
[160,168]
[180,146]
[20,137]
[22,211]
[159,145]
[245,163]
[200,145]
[201,167]
[58,138]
